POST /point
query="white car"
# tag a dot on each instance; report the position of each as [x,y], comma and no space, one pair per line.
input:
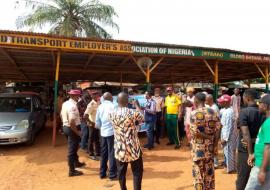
[21,117]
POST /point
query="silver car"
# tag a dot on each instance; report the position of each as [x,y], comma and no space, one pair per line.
[21,117]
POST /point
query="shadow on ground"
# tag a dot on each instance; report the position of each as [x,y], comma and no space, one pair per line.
[156,158]
[41,152]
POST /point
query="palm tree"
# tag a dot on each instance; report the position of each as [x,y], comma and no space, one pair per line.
[70,17]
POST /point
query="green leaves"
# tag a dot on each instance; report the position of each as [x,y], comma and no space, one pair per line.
[70,17]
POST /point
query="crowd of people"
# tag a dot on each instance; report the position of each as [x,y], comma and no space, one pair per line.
[109,133]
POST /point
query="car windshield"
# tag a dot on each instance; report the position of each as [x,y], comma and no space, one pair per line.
[15,104]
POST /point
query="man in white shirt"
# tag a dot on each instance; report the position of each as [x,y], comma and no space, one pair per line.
[190,97]
[159,113]
[211,104]
[94,133]
[71,124]
[236,102]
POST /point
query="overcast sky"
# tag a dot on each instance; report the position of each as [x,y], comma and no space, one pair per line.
[235,24]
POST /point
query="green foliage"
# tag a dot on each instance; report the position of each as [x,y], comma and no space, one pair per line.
[70,17]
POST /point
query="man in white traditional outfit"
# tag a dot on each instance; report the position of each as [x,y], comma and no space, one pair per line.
[229,133]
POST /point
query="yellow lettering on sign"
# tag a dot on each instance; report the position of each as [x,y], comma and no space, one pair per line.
[212,54]
[65,44]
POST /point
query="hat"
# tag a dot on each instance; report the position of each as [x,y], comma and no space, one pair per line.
[190,89]
[224,98]
[169,88]
[94,92]
[265,99]
[205,93]
[74,92]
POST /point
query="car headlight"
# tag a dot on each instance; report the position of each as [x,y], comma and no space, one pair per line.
[24,124]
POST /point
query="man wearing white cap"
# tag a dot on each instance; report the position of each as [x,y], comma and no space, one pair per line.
[71,124]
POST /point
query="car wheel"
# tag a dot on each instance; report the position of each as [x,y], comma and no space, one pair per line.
[31,139]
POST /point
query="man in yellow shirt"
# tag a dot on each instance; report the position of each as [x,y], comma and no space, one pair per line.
[172,104]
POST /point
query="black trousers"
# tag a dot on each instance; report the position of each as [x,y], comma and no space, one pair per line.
[137,170]
[158,127]
[94,142]
[243,171]
[107,154]
[73,146]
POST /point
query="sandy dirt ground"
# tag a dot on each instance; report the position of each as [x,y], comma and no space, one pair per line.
[43,167]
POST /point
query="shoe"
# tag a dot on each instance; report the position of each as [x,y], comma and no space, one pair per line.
[177,147]
[80,164]
[91,154]
[114,178]
[84,150]
[93,157]
[148,147]
[75,173]
[103,177]
[97,158]
[169,143]
[157,142]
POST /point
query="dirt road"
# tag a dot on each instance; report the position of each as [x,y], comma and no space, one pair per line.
[42,167]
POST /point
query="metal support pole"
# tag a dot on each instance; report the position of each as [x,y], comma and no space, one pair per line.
[216,81]
[148,78]
[55,97]
[266,78]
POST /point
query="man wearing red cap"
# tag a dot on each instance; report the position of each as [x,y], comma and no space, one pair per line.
[229,133]
[172,104]
[71,124]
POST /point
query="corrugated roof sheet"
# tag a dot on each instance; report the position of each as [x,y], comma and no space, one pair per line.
[125,41]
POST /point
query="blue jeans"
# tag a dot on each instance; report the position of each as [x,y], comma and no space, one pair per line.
[253,182]
[150,134]
[85,135]
[107,153]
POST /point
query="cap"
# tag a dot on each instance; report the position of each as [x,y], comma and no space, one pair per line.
[169,88]
[224,98]
[94,92]
[205,93]
[190,89]
[74,92]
